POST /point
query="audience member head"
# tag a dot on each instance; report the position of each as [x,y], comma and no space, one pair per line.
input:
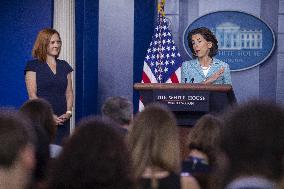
[153,140]
[94,157]
[40,112]
[119,109]
[203,143]
[16,150]
[252,140]
[203,139]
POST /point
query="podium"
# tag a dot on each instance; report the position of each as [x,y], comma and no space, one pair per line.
[188,101]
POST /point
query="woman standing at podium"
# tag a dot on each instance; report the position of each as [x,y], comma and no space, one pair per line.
[204,68]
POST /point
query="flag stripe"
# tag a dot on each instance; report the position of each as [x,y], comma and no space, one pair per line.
[148,75]
[174,78]
[145,78]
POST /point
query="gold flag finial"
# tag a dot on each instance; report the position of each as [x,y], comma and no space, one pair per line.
[161,6]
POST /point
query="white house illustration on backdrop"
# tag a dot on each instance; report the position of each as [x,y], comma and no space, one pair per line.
[232,37]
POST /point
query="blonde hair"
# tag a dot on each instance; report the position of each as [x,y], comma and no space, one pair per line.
[42,41]
[153,140]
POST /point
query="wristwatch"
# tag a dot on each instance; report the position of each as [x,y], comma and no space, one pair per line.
[69,112]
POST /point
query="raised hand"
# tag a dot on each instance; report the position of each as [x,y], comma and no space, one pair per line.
[214,76]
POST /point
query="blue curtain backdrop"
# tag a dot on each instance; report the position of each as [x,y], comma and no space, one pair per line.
[144,19]
[86,20]
[20,22]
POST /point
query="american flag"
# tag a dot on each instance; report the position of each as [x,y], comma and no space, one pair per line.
[163,61]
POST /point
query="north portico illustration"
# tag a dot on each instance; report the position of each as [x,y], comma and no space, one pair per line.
[232,37]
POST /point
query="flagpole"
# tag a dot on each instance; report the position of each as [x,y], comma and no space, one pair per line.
[161,6]
[161,12]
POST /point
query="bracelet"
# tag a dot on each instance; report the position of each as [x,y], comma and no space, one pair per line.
[69,112]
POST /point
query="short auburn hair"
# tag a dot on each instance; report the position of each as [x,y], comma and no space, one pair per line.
[40,46]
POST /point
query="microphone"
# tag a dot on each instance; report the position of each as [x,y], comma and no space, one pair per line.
[185,80]
[192,80]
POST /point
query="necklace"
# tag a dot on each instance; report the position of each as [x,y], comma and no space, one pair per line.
[205,67]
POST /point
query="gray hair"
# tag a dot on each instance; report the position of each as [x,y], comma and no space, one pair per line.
[119,109]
